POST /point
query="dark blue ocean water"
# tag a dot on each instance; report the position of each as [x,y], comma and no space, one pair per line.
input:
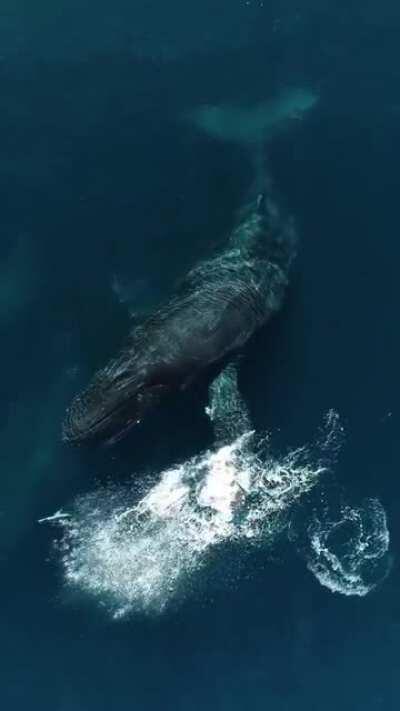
[102,184]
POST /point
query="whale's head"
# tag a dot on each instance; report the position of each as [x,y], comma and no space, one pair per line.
[116,400]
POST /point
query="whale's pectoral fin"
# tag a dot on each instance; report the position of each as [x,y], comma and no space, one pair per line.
[227,409]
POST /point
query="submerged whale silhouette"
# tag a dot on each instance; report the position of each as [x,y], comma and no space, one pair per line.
[218,306]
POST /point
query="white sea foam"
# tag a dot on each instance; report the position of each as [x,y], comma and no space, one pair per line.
[348,552]
[137,553]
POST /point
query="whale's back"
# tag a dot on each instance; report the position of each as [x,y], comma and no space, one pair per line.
[215,310]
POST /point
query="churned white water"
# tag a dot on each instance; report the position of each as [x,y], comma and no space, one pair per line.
[137,552]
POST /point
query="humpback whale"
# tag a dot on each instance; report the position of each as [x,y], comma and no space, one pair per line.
[217,307]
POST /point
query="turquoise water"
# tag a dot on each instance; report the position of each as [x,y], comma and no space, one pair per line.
[108,196]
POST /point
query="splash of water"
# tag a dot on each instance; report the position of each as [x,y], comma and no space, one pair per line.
[138,553]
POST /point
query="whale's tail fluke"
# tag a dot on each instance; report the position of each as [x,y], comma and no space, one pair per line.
[254,125]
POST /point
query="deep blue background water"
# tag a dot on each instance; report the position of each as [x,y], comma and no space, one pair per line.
[99,178]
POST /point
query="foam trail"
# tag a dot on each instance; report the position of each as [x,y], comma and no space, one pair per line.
[347,550]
